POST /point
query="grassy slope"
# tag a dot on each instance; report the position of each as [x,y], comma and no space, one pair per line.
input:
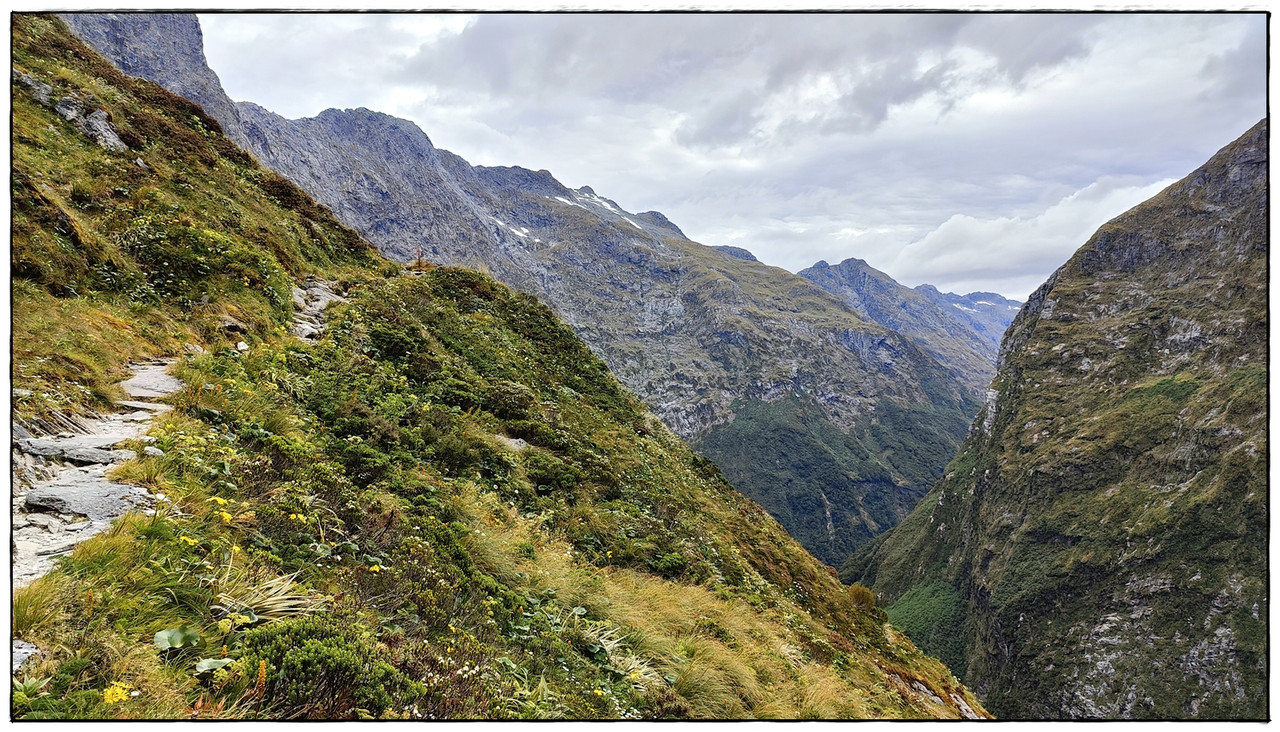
[1112,511]
[345,522]
[870,436]
[112,260]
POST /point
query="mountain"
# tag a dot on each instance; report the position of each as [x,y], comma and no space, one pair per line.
[441,506]
[1100,535]
[961,331]
[987,313]
[835,424]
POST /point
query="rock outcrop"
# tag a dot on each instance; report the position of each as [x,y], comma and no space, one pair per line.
[1099,535]
[172,55]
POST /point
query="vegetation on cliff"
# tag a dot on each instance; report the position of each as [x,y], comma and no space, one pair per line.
[1099,532]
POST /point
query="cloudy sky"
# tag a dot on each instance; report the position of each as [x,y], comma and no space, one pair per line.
[970,151]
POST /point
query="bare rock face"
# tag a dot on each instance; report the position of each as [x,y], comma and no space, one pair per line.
[165,48]
[1099,534]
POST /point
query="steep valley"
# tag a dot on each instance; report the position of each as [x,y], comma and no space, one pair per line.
[1100,537]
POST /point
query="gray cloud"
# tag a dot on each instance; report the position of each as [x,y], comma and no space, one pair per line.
[800,137]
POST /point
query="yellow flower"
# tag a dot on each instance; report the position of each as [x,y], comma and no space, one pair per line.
[219,500]
[375,568]
[188,540]
[235,549]
[226,517]
[115,693]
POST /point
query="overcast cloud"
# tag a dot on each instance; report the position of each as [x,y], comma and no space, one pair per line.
[973,152]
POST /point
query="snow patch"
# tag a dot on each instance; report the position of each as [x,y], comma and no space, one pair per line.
[596,200]
[629,221]
[562,199]
[958,306]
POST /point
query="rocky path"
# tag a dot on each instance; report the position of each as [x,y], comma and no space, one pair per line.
[61,494]
[310,301]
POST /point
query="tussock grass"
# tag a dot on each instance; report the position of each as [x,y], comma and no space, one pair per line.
[38,606]
[271,599]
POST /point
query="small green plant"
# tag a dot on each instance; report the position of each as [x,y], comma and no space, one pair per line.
[28,690]
[175,638]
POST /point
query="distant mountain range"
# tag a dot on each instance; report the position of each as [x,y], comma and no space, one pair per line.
[961,331]
[832,418]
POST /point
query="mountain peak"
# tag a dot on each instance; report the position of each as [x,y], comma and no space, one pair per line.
[657,219]
[736,252]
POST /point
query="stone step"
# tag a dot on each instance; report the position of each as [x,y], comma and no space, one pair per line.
[79,454]
[149,406]
[150,381]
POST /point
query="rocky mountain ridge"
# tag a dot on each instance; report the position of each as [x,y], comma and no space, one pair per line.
[1098,535]
[961,331]
[846,422]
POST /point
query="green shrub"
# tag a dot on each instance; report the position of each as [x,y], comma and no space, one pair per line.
[318,669]
[508,400]
[862,597]
[548,472]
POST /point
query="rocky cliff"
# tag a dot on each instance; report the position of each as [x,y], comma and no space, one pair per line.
[835,424]
[1100,536]
[961,331]
[170,38]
